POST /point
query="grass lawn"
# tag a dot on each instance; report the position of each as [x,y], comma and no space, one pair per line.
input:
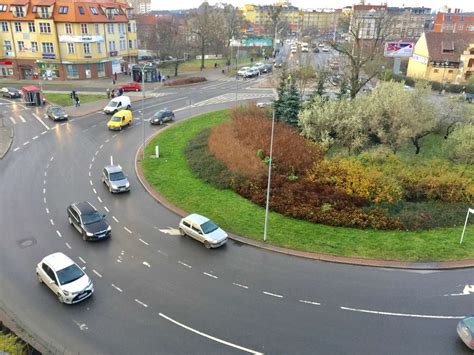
[171,176]
[65,100]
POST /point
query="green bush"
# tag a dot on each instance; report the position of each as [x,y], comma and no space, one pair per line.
[460,144]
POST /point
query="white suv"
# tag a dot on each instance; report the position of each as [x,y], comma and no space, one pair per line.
[203,230]
[65,278]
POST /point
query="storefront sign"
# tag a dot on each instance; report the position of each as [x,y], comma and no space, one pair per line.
[6,62]
[420,59]
[49,56]
[80,39]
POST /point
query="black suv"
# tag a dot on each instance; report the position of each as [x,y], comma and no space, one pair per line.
[162,116]
[88,221]
[56,113]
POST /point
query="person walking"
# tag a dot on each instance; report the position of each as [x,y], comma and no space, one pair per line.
[112,94]
[78,102]
[115,76]
[108,93]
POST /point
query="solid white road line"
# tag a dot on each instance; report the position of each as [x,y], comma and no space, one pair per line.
[59,234]
[35,137]
[27,142]
[81,259]
[401,314]
[128,230]
[310,302]
[272,294]
[210,275]
[141,303]
[141,240]
[117,288]
[95,272]
[184,264]
[13,120]
[67,244]
[115,219]
[209,336]
[100,200]
[52,222]
[40,120]
[22,119]
[16,149]
[239,285]
[105,208]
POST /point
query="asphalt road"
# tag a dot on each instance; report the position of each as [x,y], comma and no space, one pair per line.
[159,293]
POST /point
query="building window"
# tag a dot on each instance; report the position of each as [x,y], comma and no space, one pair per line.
[112,46]
[47,47]
[81,10]
[3,8]
[70,48]
[110,28]
[63,9]
[31,26]
[34,47]
[129,27]
[84,30]
[44,12]
[18,26]
[45,27]
[122,45]
[97,29]
[71,71]
[68,28]
[19,12]
[87,48]
[21,46]
[4,26]
[93,10]
[7,45]
[100,70]
[130,44]
[34,9]
[99,47]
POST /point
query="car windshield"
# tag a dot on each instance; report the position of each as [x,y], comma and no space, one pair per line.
[117,176]
[57,111]
[91,218]
[69,274]
[469,321]
[208,227]
[116,118]
[113,103]
[160,114]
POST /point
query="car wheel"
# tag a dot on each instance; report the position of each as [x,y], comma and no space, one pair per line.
[60,298]
[115,111]
[129,107]
[181,232]
[39,278]
[207,244]
[69,219]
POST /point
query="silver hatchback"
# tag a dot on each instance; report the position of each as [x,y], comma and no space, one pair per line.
[203,230]
[115,179]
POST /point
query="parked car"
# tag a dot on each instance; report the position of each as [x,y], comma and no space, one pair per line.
[293,50]
[162,116]
[242,71]
[465,331]
[65,278]
[268,68]
[119,120]
[326,50]
[117,104]
[316,50]
[131,87]
[56,113]
[259,66]
[202,229]
[115,179]
[88,221]
[251,73]
[11,93]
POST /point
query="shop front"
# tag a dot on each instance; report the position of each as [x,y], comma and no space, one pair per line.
[47,70]
[6,68]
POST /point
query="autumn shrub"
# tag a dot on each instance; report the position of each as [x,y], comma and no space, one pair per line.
[184,81]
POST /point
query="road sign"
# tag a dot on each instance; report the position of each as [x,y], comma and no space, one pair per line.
[399,49]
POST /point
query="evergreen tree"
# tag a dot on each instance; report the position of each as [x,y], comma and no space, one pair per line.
[320,91]
[342,91]
[280,103]
[292,105]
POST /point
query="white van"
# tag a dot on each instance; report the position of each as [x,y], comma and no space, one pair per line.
[117,104]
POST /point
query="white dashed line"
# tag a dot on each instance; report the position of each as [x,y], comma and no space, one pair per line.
[115,219]
[146,264]
[64,123]
[184,264]
[141,240]
[96,152]
[95,272]
[47,211]
[101,146]
[59,234]
[90,182]
[52,222]
[27,142]
[12,119]
[90,174]
[22,119]
[93,189]
[67,244]
[81,259]
[401,314]
[44,132]
[272,294]
[115,135]
[100,200]
[210,275]
[128,230]
[94,125]
[44,182]
[105,208]
[93,158]
[90,166]
[16,149]
[239,285]
[44,191]
[35,137]
[162,253]
[45,173]
[141,303]
[310,302]
[44,199]
[52,158]
[107,140]
[117,288]
[209,336]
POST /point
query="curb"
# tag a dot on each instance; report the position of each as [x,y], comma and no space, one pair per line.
[2,154]
[392,264]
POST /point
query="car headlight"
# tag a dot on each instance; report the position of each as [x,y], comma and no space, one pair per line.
[109,228]
[66,293]
[89,234]
[66,115]
[127,184]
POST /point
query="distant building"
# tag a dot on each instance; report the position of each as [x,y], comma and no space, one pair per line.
[454,22]
[365,19]
[409,22]
[323,20]
[140,6]
[443,57]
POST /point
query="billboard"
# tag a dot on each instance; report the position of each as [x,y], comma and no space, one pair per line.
[399,49]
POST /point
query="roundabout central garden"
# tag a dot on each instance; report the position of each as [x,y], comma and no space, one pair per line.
[370,203]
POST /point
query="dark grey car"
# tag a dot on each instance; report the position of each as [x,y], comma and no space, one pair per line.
[162,116]
[56,113]
[11,93]
[88,221]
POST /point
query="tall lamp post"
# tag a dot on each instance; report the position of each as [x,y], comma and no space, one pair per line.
[143,107]
[265,230]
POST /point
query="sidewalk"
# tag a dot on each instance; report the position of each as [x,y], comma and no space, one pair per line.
[6,138]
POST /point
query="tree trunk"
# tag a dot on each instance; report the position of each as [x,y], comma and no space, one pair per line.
[203,51]
[176,64]
[416,143]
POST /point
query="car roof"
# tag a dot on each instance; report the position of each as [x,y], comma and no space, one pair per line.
[197,218]
[121,112]
[58,261]
[54,107]
[113,168]
[84,207]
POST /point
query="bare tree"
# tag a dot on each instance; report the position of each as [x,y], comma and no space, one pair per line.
[172,40]
[275,22]
[364,50]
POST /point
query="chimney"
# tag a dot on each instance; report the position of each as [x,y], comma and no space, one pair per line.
[449,10]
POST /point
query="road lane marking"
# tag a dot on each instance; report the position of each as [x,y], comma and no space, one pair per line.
[47,211]
[90,174]
[162,252]
[101,146]
[239,285]
[141,240]
[52,158]
[59,234]
[67,244]
[95,272]
[81,259]
[44,182]
[90,166]
[141,303]
[146,264]
[184,264]
[272,294]
[128,230]
[115,135]
[35,137]
[44,199]
[39,120]
[107,140]
[45,173]
[115,219]
[12,119]
[44,191]
[209,336]
[210,275]
[27,142]
[52,222]
[64,123]
[105,208]
[93,158]
[44,132]
[117,288]
[90,182]
[96,152]
[16,149]
[100,200]
[22,119]
[400,314]
[310,302]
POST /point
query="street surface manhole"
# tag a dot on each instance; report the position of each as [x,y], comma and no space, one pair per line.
[27,242]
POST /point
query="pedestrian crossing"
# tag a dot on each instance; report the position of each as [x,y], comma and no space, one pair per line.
[17,120]
[229,97]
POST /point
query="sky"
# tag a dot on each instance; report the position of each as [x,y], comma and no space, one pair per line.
[465,5]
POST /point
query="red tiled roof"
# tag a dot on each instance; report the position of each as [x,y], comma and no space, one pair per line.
[436,41]
[20,2]
[42,2]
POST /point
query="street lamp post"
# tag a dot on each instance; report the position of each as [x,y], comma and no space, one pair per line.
[269,179]
[143,108]
[236,76]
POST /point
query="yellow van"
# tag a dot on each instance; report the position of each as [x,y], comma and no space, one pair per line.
[120,119]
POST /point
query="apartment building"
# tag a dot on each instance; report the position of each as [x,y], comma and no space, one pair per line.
[454,22]
[323,20]
[66,39]
[409,22]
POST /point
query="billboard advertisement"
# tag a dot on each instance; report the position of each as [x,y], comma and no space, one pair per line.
[399,49]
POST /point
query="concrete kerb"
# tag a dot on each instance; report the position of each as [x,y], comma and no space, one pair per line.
[442,265]
[6,134]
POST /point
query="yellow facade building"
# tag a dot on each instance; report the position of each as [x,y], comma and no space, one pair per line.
[443,57]
[64,39]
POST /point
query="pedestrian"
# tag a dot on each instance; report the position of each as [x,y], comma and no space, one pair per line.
[115,76]
[78,102]
[112,94]
[159,77]
[113,81]
[108,93]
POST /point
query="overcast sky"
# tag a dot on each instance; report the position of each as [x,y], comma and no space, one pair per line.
[465,5]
